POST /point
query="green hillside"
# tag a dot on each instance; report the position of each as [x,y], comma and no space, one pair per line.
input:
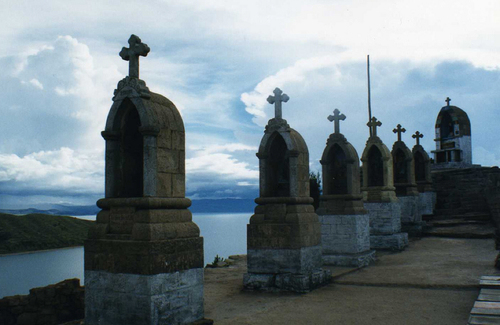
[21,233]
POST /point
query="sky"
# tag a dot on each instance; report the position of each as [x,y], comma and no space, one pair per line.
[218,61]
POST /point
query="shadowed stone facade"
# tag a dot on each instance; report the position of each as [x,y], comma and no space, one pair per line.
[144,255]
[284,234]
[345,224]
[427,197]
[379,194]
[406,187]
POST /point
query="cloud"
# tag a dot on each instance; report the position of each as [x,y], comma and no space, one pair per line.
[221,171]
[219,60]
[59,172]
[405,92]
[214,160]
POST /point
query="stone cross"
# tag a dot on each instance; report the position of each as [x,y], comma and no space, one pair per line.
[131,54]
[373,125]
[399,130]
[276,100]
[417,136]
[337,117]
[448,100]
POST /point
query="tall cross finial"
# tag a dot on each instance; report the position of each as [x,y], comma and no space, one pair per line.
[337,117]
[448,100]
[417,136]
[276,100]
[131,54]
[399,130]
[373,126]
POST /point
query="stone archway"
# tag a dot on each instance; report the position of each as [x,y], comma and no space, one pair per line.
[278,171]
[131,153]
[420,172]
[400,167]
[375,167]
[337,171]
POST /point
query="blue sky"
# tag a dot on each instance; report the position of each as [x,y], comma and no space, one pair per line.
[218,61]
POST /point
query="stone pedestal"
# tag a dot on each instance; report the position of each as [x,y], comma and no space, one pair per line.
[143,257]
[385,226]
[411,217]
[427,202]
[167,298]
[284,248]
[346,240]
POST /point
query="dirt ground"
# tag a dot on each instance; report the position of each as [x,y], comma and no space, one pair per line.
[434,281]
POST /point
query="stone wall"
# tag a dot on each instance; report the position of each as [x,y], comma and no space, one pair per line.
[465,191]
[54,304]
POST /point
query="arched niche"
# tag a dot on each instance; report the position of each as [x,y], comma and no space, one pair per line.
[283,162]
[400,166]
[145,148]
[422,168]
[130,158]
[375,164]
[446,126]
[278,168]
[336,172]
[403,170]
[420,172]
[340,165]
[378,181]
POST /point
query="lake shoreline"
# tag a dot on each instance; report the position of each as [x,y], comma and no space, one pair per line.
[40,250]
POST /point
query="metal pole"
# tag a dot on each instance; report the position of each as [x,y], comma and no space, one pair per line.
[369,92]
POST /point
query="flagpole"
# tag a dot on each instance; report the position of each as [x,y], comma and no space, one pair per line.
[369,92]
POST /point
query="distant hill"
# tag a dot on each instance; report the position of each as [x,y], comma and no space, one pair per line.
[58,209]
[223,205]
[40,231]
[198,206]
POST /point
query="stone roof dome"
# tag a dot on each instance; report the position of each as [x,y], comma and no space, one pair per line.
[458,116]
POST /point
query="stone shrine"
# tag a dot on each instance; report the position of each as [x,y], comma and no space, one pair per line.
[453,139]
[144,255]
[284,234]
[406,187]
[379,194]
[345,224]
[423,177]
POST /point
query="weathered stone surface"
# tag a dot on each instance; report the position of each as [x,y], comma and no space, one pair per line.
[50,305]
[286,281]
[394,242]
[385,217]
[378,180]
[345,240]
[427,202]
[168,298]
[284,234]
[301,261]
[385,226]
[410,211]
[404,170]
[144,257]
[345,233]
[145,231]
[358,260]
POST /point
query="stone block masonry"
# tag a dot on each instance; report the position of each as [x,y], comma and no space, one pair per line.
[385,226]
[172,298]
[346,240]
[427,202]
[411,216]
[54,304]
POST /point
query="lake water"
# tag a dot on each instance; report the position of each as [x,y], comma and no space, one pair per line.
[223,234]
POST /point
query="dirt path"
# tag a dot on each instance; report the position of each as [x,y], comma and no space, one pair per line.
[433,282]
